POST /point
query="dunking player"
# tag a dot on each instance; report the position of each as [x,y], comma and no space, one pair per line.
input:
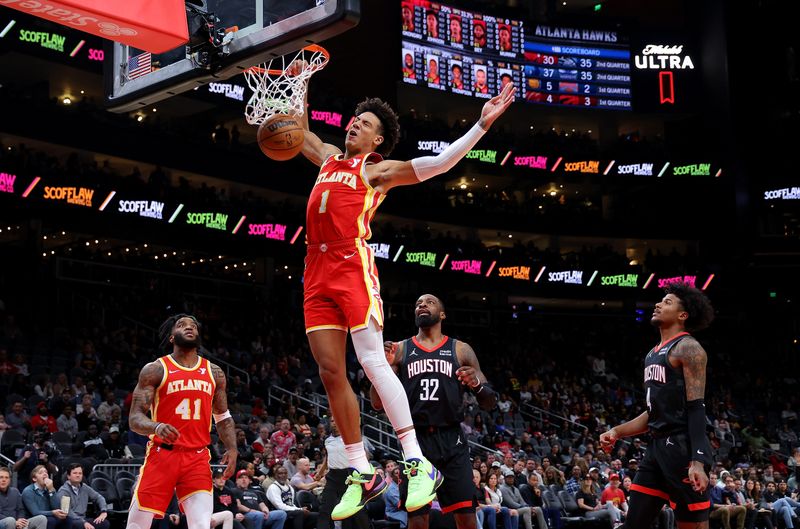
[341,284]
[181,391]
[434,370]
[676,463]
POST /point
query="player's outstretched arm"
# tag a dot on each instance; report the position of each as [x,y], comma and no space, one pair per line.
[314,149]
[470,375]
[226,428]
[149,378]
[387,174]
[394,355]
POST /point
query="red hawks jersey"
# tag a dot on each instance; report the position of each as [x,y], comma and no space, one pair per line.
[342,203]
[183,399]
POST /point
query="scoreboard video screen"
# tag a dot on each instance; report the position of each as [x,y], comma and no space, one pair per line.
[468,53]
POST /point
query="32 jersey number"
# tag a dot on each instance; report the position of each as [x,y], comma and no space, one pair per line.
[184,409]
[429,388]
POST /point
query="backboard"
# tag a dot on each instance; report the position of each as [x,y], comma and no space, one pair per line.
[225,38]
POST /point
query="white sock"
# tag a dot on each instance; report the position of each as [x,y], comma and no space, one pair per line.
[357,457]
[368,344]
[411,449]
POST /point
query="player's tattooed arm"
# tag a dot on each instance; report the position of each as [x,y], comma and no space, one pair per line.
[395,351]
[470,375]
[692,358]
[149,378]
[226,428]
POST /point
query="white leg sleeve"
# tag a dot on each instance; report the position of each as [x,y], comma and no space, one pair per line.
[369,350]
[198,508]
[137,518]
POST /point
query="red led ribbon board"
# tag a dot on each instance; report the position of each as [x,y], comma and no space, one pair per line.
[151,25]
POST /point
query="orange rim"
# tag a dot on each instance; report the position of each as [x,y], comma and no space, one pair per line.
[314,48]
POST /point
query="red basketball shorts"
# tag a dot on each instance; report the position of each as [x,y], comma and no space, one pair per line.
[167,472]
[341,286]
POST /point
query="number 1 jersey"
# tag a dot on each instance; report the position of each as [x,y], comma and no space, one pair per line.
[342,202]
[183,399]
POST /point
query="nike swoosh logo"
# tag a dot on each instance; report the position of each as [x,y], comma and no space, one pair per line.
[173,372]
[701,453]
[349,256]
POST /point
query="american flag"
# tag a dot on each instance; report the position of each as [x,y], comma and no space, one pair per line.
[139,65]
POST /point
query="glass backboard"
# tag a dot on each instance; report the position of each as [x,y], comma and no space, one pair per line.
[226,37]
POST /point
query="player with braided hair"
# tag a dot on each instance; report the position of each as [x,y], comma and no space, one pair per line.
[181,391]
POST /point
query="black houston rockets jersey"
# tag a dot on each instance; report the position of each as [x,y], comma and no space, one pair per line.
[429,378]
[666,390]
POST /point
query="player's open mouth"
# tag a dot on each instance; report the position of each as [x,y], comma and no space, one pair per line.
[421,312]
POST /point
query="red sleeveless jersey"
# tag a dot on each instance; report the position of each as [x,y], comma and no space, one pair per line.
[342,203]
[183,399]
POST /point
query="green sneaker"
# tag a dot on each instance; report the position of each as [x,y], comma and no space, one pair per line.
[423,480]
[361,488]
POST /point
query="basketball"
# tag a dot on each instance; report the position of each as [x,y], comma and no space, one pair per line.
[281,137]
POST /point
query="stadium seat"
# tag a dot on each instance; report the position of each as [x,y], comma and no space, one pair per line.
[11,441]
[572,509]
[99,474]
[125,492]
[107,490]
[376,509]
[125,474]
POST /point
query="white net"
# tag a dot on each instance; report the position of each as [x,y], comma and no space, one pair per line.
[276,90]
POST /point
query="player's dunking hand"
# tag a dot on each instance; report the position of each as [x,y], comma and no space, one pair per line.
[468,376]
[608,439]
[167,432]
[495,107]
[229,460]
[698,477]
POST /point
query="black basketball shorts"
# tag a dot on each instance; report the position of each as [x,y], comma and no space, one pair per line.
[663,473]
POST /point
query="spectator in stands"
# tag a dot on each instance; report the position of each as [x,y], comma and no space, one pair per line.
[224,502]
[3,424]
[242,448]
[753,493]
[253,504]
[43,420]
[302,428]
[302,479]
[494,497]
[532,496]
[486,513]
[513,499]
[33,455]
[626,488]
[391,499]
[67,423]
[253,427]
[86,414]
[721,507]
[614,499]
[17,419]
[636,451]
[290,463]
[530,468]
[114,445]
[573,484]
[107,407]
[44,388]
[282,440]
[281,495]
[262,441]
[508,464]
[630,471]
[12,511]
[61,401]
[588,502]
[553,476]
[93,444]
[80,495]
[39,499]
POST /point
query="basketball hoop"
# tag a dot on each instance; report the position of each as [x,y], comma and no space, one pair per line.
[275,91]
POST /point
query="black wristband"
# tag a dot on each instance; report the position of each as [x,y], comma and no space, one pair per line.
[698,440]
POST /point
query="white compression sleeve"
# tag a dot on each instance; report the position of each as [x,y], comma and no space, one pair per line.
[198,509]
[139,519]
[429,166]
